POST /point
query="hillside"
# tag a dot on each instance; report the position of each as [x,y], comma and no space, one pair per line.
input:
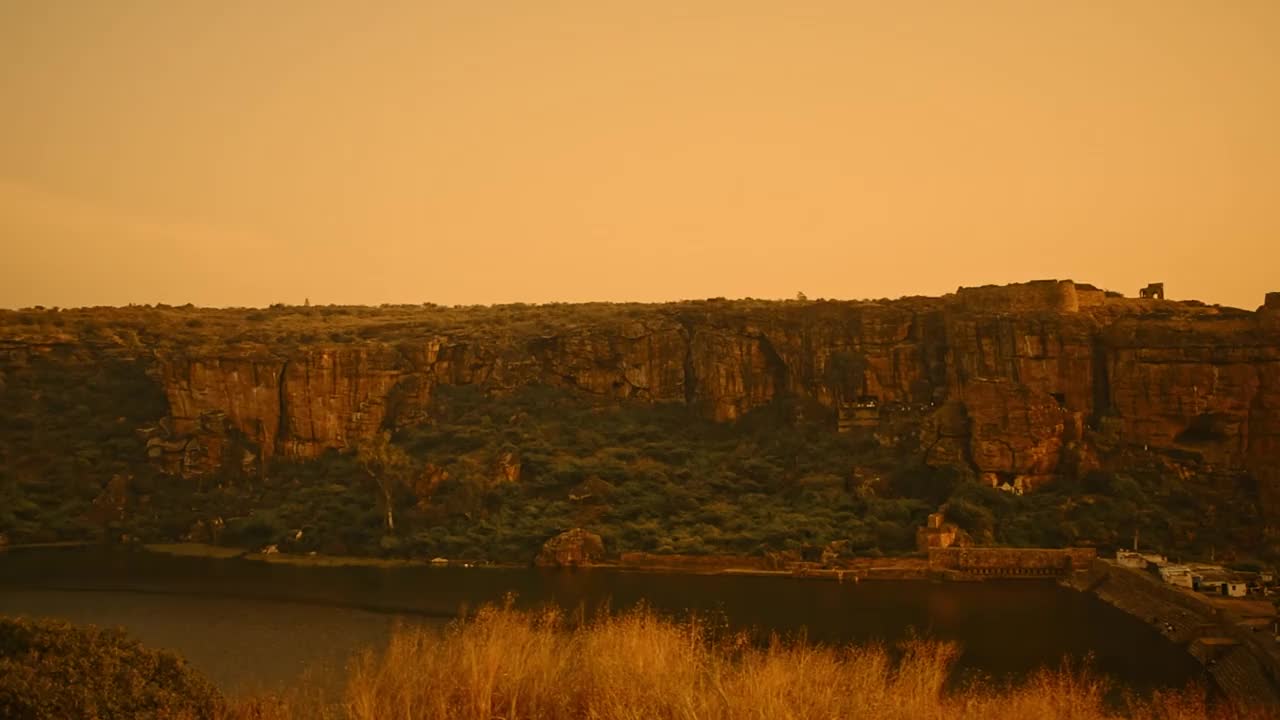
[707,426]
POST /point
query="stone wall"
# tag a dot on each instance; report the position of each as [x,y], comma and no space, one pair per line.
[1011,561]
[1088,296]
[1036,296]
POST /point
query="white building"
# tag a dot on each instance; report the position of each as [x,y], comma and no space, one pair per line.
[1127,558]
[1179,575]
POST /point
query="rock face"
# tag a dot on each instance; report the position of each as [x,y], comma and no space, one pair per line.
[1016,434]
[572,548]
[297,405]
[1018,383]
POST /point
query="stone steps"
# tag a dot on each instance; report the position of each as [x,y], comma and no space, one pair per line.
[1239,675]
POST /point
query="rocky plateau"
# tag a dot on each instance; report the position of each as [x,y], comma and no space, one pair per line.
[1018,384]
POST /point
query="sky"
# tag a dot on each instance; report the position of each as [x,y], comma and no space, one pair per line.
[242,153]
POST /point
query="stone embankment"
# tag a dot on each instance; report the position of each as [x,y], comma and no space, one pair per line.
[1244,663]
[981,562]
[845,569]
[951,564]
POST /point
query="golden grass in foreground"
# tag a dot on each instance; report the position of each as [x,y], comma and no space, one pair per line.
[513,665]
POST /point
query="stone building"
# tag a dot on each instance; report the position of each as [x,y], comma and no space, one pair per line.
[861,413]
[937,533]
[1179,575]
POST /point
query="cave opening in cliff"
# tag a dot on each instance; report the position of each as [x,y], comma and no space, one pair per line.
[1205,428]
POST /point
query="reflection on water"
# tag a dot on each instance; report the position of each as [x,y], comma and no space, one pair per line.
[242,645]
[252,624]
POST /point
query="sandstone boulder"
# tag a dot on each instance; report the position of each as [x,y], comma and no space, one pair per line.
[571,548]
[835,551]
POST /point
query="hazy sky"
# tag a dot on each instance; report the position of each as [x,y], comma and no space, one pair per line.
[479,151]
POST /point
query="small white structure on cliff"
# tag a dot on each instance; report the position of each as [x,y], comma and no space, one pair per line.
[1218,580]
[1139,560]
[1127,558]
[1179,575]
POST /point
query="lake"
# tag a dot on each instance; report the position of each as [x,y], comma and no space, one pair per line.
[254,625]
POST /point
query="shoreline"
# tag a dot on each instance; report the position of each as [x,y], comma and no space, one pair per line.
[852,570]
[48,545]
[907,568]
[855,570]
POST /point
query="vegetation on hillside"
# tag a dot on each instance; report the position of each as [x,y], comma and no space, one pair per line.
[72,465]
[647,478]
[286,326]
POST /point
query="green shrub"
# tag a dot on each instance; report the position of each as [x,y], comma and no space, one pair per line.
[52,670]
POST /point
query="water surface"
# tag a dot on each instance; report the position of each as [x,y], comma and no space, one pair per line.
[259,625]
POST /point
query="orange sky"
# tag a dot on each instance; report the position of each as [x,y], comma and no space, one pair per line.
[240,152]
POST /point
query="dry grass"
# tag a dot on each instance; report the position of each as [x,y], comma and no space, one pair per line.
[504,664]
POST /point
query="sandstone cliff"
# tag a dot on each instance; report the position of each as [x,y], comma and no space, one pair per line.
[1018,383]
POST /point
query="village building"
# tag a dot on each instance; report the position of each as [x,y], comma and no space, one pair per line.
[1010,485]
[1201,577]
[1140,560]
[1130,559]
[861,413]
[1177,575]
[1217,580]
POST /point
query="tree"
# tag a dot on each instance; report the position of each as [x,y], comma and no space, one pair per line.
[388,466]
